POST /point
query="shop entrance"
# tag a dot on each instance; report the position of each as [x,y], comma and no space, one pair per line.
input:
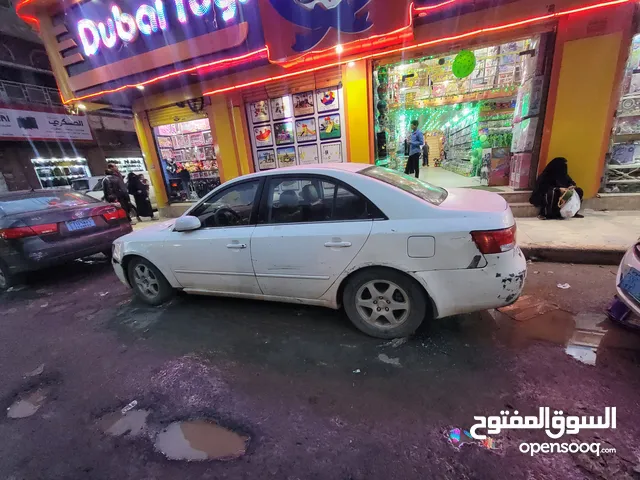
[188,159]
[482,130]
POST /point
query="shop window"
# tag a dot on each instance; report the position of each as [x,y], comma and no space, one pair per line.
[187,155]
[622,172]
[475,128]
[231,207]
[60,172]
[308,200]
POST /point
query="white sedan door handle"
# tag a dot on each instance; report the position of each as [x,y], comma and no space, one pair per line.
[237,246]
[337,244]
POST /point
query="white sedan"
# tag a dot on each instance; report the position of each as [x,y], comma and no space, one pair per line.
[392,249]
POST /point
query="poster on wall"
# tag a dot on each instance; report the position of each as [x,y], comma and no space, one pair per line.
[165,142]
[260,111]
[196,139]
[209,154]
[178,156]
[166,153]
[208,138]
[266,159]
[281,108]
[306,130]
[286,156]
[330,127]
[331,152]
[180,141]
[303,104]
[263,136]
[327,100]
[173,129]
[308,154]
[283,133]
[200,155]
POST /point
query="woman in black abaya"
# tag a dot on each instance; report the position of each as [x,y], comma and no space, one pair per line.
[552,183]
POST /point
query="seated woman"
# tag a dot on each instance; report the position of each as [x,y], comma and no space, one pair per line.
[551,185]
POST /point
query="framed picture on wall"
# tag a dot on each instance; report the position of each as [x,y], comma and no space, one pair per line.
[165,142]
[306,130]
[178,156]
[331,152]
[263,136]
[196,139]
[166,153]
[209,154]
[281,108]
[327,99]
[172,129]
[303,103]
[208,138]
[260,111]
[330,127]
[266,159]
[283,133]
[286,156]
[308,154]
[200,154]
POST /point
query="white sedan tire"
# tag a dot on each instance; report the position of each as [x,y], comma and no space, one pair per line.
[148,283]
[384,303]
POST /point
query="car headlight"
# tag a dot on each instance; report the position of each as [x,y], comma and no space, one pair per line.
[116,251]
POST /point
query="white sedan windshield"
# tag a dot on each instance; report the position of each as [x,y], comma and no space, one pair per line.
[415,186]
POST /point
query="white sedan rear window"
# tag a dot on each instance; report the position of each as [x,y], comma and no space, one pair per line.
[415,186]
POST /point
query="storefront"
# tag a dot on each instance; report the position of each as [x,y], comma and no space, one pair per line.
[477,123]
[224,88]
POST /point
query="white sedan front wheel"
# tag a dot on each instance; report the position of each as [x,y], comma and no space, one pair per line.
[384,303]
[148,283]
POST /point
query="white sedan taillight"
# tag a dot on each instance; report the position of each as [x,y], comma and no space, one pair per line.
[495,241]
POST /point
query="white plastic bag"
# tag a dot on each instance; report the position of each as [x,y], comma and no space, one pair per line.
[571,206]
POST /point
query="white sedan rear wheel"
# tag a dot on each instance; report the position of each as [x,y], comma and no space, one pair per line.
[384,303]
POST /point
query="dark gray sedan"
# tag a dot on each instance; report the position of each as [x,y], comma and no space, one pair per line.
[42,228]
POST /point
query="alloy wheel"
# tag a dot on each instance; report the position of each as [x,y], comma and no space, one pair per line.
[146,281]
[382,304]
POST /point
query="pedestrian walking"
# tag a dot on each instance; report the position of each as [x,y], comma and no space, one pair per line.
[114,189]
[140,193]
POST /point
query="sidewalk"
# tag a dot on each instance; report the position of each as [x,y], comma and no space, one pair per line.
[598,238]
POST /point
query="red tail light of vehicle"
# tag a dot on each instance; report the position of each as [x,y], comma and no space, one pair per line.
[32,231]
[495,241]
[116,214]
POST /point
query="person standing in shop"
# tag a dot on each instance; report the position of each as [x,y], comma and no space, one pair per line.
[425,155]
[416,140]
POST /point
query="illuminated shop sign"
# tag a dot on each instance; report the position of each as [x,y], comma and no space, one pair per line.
[149,19]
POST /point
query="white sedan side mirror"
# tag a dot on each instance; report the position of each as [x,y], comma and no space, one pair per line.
[187,224]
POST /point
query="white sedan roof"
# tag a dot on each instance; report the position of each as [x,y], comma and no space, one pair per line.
[317,168]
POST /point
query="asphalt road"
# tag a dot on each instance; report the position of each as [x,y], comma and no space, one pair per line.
[315,398]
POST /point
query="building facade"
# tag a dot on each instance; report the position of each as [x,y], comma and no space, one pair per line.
[44,143]
[221,88]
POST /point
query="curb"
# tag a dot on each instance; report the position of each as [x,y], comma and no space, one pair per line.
[584,255]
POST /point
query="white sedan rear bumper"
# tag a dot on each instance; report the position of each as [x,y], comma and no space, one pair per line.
[498,284]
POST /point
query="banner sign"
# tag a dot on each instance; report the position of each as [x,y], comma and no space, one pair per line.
[107,31]
[32,125]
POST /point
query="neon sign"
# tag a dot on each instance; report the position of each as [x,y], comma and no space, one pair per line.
[146,20]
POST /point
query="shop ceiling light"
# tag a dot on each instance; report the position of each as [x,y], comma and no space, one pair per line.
[82,106]
[339,49]
[140,87]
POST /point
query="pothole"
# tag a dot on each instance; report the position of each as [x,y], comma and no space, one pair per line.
[133,423]
[28,404]
[200,440]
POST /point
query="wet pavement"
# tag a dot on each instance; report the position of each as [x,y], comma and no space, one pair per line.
[106,387]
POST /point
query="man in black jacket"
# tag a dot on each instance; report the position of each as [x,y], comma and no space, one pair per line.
[114,189]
